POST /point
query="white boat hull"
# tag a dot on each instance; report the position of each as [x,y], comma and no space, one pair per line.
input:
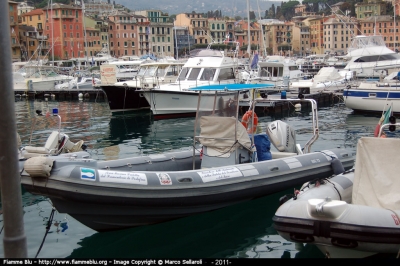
[165,103]
[339,225]
[372,98]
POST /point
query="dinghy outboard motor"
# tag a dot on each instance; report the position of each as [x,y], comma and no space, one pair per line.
[282,136]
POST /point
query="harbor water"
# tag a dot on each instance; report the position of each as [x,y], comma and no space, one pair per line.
[244,230]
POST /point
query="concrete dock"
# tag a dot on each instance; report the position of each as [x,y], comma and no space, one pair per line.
[61,95]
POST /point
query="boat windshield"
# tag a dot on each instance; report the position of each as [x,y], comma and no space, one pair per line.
[183,74]
[142,71]
[151,71]
[148,71]
[217,104]
[173,70]
[208,74]
[375,58]
[360,42]
[194,73]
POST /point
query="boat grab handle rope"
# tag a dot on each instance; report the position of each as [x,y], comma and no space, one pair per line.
[49,222]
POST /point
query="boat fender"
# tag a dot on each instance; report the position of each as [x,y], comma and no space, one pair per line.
[39,166]
[246,119]
[377,129]
[337,166]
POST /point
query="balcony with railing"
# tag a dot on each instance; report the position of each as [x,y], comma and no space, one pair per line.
[161,24]
[100,26]
[60,15]
[144,23]
[125,22]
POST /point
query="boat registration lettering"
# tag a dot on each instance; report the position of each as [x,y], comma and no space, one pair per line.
[219,174]
[122,177]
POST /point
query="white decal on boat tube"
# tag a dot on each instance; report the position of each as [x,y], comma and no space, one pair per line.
[164,178]
[293,163]
[219,174]
[122,177]
[88,174]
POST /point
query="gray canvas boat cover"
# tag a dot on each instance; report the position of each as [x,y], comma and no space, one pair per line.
[219,133]
[376,179]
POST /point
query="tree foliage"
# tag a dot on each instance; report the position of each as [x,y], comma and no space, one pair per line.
[287,9]
[45,3]
[213,14]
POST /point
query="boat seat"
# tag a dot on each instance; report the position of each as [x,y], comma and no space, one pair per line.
[220,145]
[51,145]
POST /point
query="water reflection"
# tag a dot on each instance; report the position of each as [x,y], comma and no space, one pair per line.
[243,230]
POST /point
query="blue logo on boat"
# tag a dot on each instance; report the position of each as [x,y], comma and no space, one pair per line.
[88,174]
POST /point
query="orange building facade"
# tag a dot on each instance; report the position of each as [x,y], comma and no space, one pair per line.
[64,31]
[15,46]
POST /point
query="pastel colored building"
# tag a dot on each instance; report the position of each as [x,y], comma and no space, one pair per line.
[64,30]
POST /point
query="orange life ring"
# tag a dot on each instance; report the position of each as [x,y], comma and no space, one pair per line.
[246,122]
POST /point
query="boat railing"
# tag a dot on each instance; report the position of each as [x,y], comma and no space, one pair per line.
[40,113]
[314,110]
[391,126]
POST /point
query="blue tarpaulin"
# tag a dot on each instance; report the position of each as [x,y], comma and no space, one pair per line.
[263,146]
[254,62]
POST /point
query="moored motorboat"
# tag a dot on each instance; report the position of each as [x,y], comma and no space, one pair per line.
[372,96]
[354,214]
[277,70]
[56,144]
[328,79]
[125,95]
[226,165]
[204,67]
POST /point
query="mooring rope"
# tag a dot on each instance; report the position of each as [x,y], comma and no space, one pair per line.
[49,222]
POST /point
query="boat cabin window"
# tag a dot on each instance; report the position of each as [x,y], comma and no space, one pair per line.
[161,71]
[293,67]
[271,72]
[264,72]
[183,74]
[374,58]
[173,71]
[208,74]
[142,71]
[151,71]
[226,73]
[194,73]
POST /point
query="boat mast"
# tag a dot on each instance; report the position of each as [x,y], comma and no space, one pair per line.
[261,29]
[248,29]
[176,42]
[52,31]
[84,33]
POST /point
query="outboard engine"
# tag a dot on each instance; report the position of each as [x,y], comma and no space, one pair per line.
[282,136]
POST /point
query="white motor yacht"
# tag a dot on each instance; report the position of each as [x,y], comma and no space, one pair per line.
[277,70]
[204,67]
[369,57]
